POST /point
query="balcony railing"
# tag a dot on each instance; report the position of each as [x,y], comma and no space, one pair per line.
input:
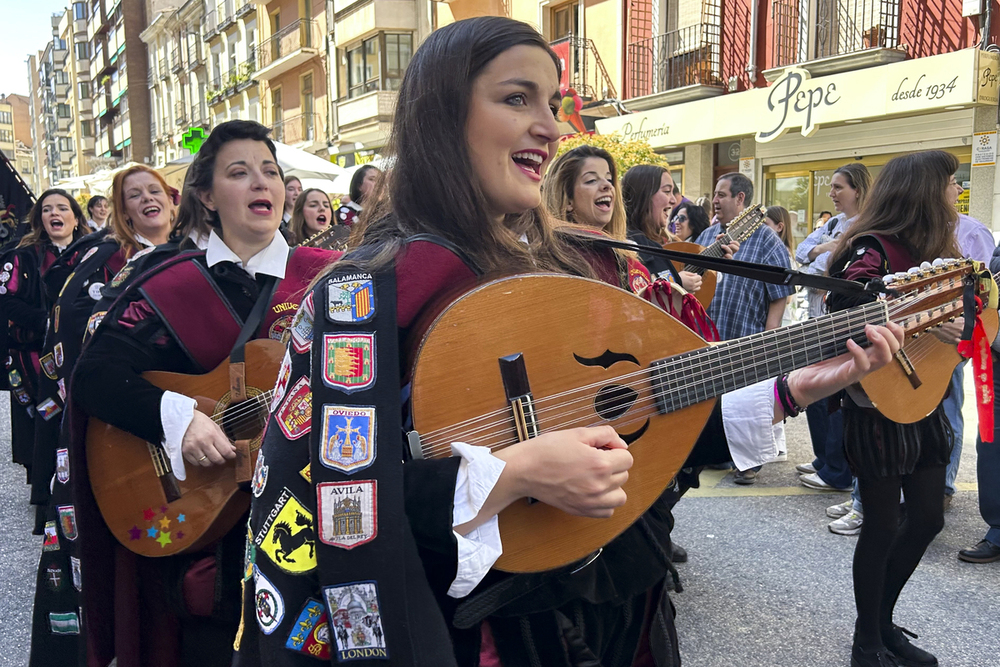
[177,62]
[295,36]
[164,68]
[676,59]
[298,129]
[226,15]
[198,115]
[243,7]
[586,71]
[194,55]
[839,27]
[209,26]
[233,82]
[152,129]
[180,113]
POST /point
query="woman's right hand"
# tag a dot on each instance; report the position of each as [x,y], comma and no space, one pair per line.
[580,471]
[205,444]
[690,281]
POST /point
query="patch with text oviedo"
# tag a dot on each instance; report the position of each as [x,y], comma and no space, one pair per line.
[347,512]
[355,621]
[287,536]
[350,299]
[349,361]
[295,414]
[347,442]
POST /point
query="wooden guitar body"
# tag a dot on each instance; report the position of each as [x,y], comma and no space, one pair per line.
[133,499]
[572,332]
[708,280]
[891,391]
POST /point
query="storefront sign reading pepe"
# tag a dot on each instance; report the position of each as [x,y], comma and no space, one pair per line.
[793,101]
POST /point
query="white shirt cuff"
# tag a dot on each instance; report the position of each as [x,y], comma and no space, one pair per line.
[479,549]
[176,413]
[747,417]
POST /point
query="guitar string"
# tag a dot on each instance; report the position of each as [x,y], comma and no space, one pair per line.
[434,447]
[754,217]
[431,437]
[503,412]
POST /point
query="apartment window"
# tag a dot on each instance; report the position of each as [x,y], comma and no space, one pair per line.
[233,43]
[65,144]
[6,136]
[83,89]
[62,111]
[251,30]
[6,118]
[25,167]
[82,51]
[565,20]
[59,44]
[86,129]
[79,10]
[363,68]
[60,77]
[398,50]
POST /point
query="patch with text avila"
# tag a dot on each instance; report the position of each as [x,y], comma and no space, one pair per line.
[349,361]
[287,536]
[311,632]
[347,512]
[295,414]
[355,621]
[350,299]
[347,442]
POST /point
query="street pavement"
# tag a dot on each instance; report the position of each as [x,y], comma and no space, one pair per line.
[767,585]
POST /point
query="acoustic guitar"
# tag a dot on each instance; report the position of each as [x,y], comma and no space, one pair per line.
[740,229]
[150,511]
[915,382]
[572,352]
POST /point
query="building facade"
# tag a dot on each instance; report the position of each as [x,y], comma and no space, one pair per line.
[786,92]
[37,124]
[230,34]
[79,146]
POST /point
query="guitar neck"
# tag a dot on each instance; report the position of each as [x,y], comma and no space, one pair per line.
[745,224]
[714,250]
[699,375]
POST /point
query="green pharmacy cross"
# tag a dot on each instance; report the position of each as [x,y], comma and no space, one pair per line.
[193,139]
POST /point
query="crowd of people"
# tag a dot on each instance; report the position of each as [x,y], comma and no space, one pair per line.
[181,281]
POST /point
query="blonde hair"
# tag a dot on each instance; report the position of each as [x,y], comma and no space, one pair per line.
[121,228]
[560,182]
[297,225]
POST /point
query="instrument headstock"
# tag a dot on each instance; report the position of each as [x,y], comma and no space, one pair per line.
[746,223]
[932,293]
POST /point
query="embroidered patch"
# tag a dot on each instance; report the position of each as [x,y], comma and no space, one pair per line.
[350,299]
[142,253]
[279,327]
[51,542]
[287,536]
[77,578]
[347,443]
[64,624]
[637,280]
[95,291]
[121,276]
[295,414]
[55,318]
[347,513]
[268,602]
[8,266]
[311,632]
[61,389]
[88,255]
[281,386]
[302,326]
[249,555]
[355,621]
[57,351]
[48,409]
[48,364]
[14,378]
[259,480]
[307,473]
[22,396]
[67,521]
[95,321]
[62,465]
[53,577]
[349,361]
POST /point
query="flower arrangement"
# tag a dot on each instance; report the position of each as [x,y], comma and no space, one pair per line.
[627,154]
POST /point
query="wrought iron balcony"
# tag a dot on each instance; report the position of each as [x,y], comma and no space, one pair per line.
[209,26]
[164,68]
[226,15]
[176,61]
[194,56]
[243,7]
[840,27]
[297,129]
[676,59]
[292,40]
[180,113]
[586,72]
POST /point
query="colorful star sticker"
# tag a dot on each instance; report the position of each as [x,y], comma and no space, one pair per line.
[164,539]
[179,535]
[181,518]
[164,523]
[134,533]
[163,509]
[151,532]
[148,514]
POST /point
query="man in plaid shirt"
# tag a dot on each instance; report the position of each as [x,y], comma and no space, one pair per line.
[742,306]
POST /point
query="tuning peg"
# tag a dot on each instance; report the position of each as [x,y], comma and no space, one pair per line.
[902,276]
[950,261]
[913,270]
[888,279]
[938,262]
[925,266]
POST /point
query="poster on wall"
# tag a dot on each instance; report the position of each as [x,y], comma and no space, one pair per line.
[984,149]
[747,167]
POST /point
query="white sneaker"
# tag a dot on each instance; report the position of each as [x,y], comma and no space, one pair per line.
[837,511]
[805,469]
[849,524]
[814,481]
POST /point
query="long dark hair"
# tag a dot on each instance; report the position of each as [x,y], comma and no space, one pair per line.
[192,216]
[431,187]
[639,185]
[36,234]
[356,180]
[297,225]
[93,202]
[908,201]
[697,217]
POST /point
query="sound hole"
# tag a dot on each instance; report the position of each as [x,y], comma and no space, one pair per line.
[245,420]
[614,400]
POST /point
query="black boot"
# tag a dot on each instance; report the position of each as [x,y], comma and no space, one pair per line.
[907,655]
[879,658]
[677,553]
